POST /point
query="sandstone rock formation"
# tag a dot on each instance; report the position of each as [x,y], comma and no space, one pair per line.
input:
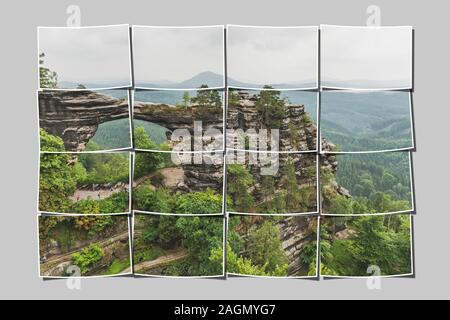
[75,115]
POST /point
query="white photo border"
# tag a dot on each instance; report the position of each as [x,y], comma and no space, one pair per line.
[314,277]
[411,118]
[404,275]
[223,94]
[130,181]
[223,75]
[130,85]
[317,124]
[220,276]
[318,194]
[411,85]
[411,211]
[124,274]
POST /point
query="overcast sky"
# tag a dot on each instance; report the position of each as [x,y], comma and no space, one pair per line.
[83,55]
[272,55]
[176,54]
[367,54]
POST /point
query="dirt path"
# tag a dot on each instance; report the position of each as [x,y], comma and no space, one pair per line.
[172,176]
[94,194]
[163,260]
[56,260]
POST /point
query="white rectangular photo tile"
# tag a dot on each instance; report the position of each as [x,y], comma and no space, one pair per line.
[370,246]
[173,183]
[79,58]
[270,120]
[172,246]
[278,184]
[179,58]
[273,247]
[375,121]
[84,121]
[85,183]
[179,121]
[84,246]
[272,57]
[367,184]
[366,58]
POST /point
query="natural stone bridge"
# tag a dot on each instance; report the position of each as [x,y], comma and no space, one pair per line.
[75,115]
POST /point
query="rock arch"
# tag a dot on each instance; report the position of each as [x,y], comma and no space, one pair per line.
[75,115]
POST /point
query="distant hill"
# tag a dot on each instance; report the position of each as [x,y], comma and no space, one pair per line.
[209,78]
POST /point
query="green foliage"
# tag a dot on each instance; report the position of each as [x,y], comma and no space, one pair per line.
[239,180]
[88,258]
[117,203]
[271,107]
[50,143]
[62,173]
[293,197]
[103,168]
[57,180]
[145,162]
[383,241]
[233,98]
[364,175]
[244,266]
[264,247]
[207,98]
[47,78]
[207,202]
[261,252]
[145,198]
[186,99]
[118,266]
[201,237]
[112,135]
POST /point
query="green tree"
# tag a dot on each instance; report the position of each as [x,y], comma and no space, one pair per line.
[203,97]
[207,202]
[264,247]
[186,99]
[341,205]
[57,179]
[201,236]
[271,107]
[50,142]
[88,258]
[215,99]
[233,98]
[47,78]
[239,180]
[145,162]
[290,184]
[147,199]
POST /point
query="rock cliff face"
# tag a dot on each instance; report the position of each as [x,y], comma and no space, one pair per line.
[75,115]
[297,131]
[296,233]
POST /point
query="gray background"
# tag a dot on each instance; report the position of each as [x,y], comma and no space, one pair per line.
[19,161]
